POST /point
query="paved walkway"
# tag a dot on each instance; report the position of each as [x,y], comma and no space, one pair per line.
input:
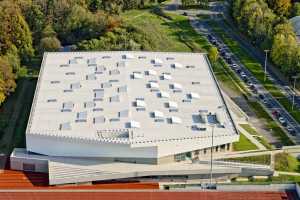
[251,138]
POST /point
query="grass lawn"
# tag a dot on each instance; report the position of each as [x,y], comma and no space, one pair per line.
[259,137]
[261,159]
[286,162]
[271,124]
[244,144]
[163,34]
[255,68]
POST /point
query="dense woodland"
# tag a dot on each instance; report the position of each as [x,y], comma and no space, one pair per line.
[30,27]
[267,25]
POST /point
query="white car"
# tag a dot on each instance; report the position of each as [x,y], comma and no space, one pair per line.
[281,120]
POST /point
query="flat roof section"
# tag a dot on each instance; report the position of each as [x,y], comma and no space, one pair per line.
[150,96]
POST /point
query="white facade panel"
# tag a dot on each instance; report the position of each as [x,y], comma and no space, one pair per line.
[59,146]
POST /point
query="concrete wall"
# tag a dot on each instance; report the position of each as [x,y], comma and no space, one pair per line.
[60,146]
[39,165]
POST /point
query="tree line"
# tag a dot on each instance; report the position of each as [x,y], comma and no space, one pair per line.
[30,27]
[266,23]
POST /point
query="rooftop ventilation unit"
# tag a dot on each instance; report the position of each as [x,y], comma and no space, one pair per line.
[89,104]
[64,65]
[81,116]
[177,66]
[92,61]
[151,72]
[100,69]
[134,124]
[76,85]
[163,94]
[54,82]
[124,113]
[122,64]
[137,75]
[122,89]
[176,86]
[154,85]
[166,77]
[115,98]
[91,77]
[70,73]
[212,118]
[176,120]
[97,109]
[172,105]
[65,126]
[141,103]
[128,56]
[99,120]
[114,72]
[52,100]
[194,95]
[67,106]
[170,58]
[98,94]
[106,85]
[72,61]
[157,61]
[158,114]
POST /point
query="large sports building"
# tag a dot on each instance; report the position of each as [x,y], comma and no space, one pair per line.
[114,115]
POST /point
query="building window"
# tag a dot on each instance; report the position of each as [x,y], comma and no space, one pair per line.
[228,146]
[180,157]
[197,152]
[28,167]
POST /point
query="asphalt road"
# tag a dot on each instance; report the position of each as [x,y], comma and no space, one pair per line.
[268,101]
[281,83]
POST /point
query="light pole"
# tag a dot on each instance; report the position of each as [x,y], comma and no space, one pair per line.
[211,153]
[266,60]
[294,90]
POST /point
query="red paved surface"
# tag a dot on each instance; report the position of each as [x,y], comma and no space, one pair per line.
[145,195]
[27,180]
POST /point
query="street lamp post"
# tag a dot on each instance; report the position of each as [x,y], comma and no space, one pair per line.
[211,153]
[294,90]
[266,61]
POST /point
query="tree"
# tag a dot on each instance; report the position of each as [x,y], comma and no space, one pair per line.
[7,79]
[49,42]
[213,54]
[296,9]
[14,30]
[35,19]
[281,7]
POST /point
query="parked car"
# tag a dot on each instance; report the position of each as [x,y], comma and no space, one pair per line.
[261,96]
[282,121]
[275,113]
[291,130]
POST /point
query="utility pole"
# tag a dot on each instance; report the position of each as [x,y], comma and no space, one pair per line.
[266,61]
[294,90]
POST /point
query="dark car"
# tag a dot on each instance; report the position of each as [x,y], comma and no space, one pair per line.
[291,130]
[261,96]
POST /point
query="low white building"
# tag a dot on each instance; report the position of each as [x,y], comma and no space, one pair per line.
[95,108]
